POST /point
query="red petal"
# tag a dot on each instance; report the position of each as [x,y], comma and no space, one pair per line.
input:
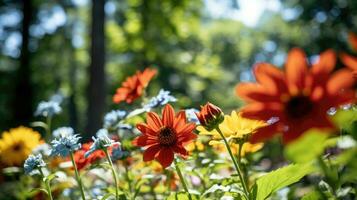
[349,61]
[154,121]
[254,92]
[143,140]
[340,80]
[151,152]
[143,128]
[352,38]
[165,156]
[181,151]
[264,133]
[325,64]
[263,111]
[296,70]
[187,128]
[168,115]
[180,120]
[186,138]
[270,77]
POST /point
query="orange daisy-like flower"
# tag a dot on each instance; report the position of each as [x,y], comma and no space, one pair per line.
[133,87]
[82,161]
[351,61]
[166,136]
[296,99]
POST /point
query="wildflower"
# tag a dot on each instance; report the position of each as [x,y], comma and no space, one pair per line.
[191,115]
[63,146]
[166,136]
[134,86]
[112,118]
[210,116]
[351,61]
[118,153]
[48,108]
[82,161]
[17,144]
[33,162]
[63,132]
[102,142]
[161,99]
[43,149]
[246,148]
[297,98]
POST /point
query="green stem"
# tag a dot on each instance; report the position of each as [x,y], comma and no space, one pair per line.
[79,181]
[245,188]
[182,179]
[128,178]
[48,128]
[115,177]
[47,183]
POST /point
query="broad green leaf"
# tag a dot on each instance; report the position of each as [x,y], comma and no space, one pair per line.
[345,118]
[308,146]
[36,190]
[280,178]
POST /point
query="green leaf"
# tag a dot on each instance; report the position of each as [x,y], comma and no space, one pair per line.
[50,177]
[39,124]
[36,190]
[280,178]
[180,196]
[345,119]
[314,195]
[107,196]
[309,146]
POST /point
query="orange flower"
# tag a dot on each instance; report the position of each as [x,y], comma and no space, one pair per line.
[298,98]
[166,136]
[210,116]
[351,61]
[82,161]
[133,87]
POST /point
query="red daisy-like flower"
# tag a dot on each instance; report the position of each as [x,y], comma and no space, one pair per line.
[297,98]
[166,136]
[134,86]
[82,161]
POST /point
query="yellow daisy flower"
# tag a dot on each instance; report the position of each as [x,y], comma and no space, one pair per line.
[17,144]
[234,126]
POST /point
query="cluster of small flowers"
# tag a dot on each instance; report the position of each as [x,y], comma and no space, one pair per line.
[33,162]
[161,99]
[101,142]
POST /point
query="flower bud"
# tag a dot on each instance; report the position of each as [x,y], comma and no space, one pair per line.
[210,116]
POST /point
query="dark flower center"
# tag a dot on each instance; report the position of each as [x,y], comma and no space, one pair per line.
[167,136]
[17,147]
[298,107]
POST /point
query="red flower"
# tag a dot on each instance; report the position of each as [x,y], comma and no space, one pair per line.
[210,116]
[82,162]
[133,87]
[166,136]
[298,98]
[351,61]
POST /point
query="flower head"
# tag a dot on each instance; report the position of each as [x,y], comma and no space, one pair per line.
[63,146]
[297,98]
[43,149]
[118,153]
[112,119]
[82,161]
[161,99]
[63,132]
[48,108]
[348,60]
[33,162]
[101,142]
[17,144]
[133,87]
[163,137]
[210,116]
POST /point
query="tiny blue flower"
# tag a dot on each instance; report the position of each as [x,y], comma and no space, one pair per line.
[63,132]
[33,162]
[161,99]
[118,153]
[63,146]
[101,142]
[48,108]
[191,116]
[112,118]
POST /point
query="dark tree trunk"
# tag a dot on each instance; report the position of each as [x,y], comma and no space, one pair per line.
[96,87]
[22,103]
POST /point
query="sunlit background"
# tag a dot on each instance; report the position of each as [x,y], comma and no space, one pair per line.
[46,49]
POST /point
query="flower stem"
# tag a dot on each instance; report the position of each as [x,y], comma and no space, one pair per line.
[182,179]
[236,165]
[47,183]
[115,177]
[79,181]
[48,128]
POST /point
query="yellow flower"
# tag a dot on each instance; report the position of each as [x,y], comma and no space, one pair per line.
[234,126]
[17,144]
[196,145]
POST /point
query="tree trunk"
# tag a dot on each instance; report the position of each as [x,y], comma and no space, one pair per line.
[96,86]
[23,99]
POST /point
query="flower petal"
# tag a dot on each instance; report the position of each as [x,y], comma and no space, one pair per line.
[154,121]
[144,129]
[349,61]
[168,115]
[270,77]
[165,156]
[340,80]
[151,152]
[296,70]
[181,151]
[262,111]
[180,120]
[352,38]
[325,64]
[254,92]
[143,140]
[264,133]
